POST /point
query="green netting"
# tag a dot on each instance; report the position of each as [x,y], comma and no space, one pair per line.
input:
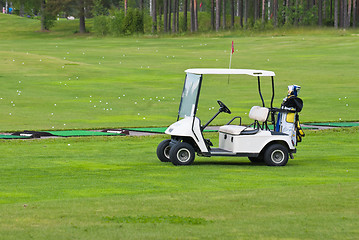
[78,133]
[336,124]
[157,129]
[12,137]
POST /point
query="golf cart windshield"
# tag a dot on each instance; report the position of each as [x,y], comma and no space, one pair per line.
[190,95]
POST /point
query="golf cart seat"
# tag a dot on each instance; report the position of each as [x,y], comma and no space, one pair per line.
[258,114]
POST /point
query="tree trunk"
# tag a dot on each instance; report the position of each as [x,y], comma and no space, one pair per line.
[255,10]
[43,4]
[192,16]
[263,10]
[341,14]
[174,17]
[82,16]
[125,7]
[141,5]
[224,8]
[237,10]
[165,15]
[320,13]
[177,10]
[349,12]
[21,9]
[345,13]
[354,12]
[232,14]
[240,9]
[212,15]
[154,17]
[169,15]
[218,15]
[195,15]
[185,15]
[245,13]
[336,13]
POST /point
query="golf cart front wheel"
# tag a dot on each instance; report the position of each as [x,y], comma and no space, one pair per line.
[163,151]
[276,155]
[182,154]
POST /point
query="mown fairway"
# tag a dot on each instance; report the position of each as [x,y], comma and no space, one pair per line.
[115,188]
[60,80]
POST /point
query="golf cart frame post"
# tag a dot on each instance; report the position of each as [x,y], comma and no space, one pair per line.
[255,141]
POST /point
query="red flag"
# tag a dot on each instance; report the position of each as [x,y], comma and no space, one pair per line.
[232,47]
[200,5]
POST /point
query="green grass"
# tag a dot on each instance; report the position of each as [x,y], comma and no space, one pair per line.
[103,188]
[78,72]
[116,188]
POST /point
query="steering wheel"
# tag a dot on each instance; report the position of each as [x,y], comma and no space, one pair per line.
[223,107]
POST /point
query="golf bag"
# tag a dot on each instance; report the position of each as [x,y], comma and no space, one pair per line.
[288,115]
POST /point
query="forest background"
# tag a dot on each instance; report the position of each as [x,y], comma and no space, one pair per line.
[126,17]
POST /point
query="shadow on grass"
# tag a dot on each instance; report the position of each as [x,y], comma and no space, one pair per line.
[236,163]
[227,163]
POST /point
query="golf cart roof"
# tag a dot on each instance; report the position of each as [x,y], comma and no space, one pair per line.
[227,71]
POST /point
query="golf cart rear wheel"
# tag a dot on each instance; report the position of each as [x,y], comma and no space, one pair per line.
[182,153]
[163,151]
[276,155]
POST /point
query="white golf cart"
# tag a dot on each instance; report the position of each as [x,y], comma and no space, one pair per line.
[256,141]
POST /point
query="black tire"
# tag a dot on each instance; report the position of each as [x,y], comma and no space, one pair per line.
[276,155]
[163,151]
[182,153]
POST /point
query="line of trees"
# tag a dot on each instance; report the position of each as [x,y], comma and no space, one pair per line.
[193,15]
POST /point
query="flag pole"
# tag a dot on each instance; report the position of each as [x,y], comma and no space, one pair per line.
[230,58]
